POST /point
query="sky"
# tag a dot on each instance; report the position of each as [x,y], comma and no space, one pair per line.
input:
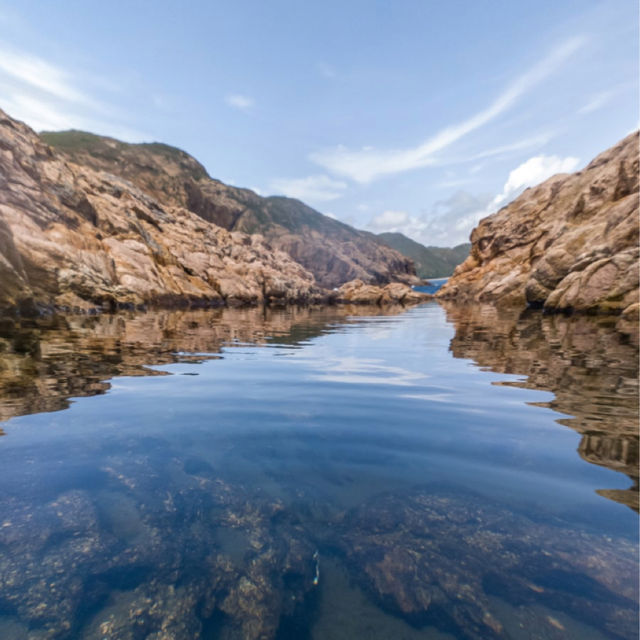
[417,116]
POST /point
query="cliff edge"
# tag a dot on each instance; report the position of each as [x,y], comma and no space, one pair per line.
[570,243]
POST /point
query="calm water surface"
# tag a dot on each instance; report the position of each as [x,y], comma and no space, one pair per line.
[424,474]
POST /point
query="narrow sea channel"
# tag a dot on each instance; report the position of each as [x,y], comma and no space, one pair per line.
[431,473]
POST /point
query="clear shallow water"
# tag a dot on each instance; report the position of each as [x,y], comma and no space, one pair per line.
[439,473]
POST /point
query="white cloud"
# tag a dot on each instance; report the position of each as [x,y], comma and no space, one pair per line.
[47,97]
[238,101]
[532,172]
[389,221]
[439,226]
[318,188]
[35,72]
[451,221]
[596,102]
[367,164]
[326,70]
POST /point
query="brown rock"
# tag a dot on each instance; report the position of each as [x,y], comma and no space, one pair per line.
[333,251]
[571,243]
[357,292]
[76,238]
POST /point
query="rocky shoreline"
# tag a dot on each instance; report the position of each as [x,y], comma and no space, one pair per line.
[569,244]
[75,238]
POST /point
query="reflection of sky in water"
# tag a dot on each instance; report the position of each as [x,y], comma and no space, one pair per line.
[374,406]
[342,400]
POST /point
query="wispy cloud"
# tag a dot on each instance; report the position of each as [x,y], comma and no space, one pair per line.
[368,164]
[451,221]
[325,70]
[38,73]
[596,102]
[47,96]
[239,101]
[316,188]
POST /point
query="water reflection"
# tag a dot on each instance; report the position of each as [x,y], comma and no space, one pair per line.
[46,361]
[591,368]
[354,449]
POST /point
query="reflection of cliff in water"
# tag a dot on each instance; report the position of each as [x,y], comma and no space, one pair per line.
[46,361]
[590,367]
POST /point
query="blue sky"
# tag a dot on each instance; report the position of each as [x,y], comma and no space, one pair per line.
[412,116]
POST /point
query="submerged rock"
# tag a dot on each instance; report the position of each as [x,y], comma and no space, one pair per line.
[144,560]
[438,558]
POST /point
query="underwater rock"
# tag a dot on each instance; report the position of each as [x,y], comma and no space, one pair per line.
[436,558]
[144,560]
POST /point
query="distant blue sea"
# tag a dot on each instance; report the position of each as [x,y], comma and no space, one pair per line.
[433,286]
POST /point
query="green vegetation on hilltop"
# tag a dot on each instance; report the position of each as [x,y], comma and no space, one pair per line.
[109,150]
[431,262]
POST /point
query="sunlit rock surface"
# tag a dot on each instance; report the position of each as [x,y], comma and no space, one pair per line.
[570,243]
[332,251]
[74,238]
[357,292]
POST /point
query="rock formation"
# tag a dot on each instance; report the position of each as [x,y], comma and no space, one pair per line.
[571,243]
[333,251]
[357,292]
[75,238]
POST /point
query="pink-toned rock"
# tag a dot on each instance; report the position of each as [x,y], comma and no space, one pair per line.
[571,243]
[76,238]
[357,292]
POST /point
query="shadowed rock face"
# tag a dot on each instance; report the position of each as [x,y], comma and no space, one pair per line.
[333,251]
[75,238]
[571,243]
[590,367]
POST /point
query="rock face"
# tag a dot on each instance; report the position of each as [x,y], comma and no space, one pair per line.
[333,251]
[357,292]
[72,237]
[571,243]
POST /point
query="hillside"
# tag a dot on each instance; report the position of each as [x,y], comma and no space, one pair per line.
[570,243]
[333,251]
[430,262]
[78,239]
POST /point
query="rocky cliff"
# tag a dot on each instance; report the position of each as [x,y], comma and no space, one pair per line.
[571,243]
[76,238]
[333,251]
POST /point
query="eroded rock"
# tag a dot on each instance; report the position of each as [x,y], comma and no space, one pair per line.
[571,243]
[357,292]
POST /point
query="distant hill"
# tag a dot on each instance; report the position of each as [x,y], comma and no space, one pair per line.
[431,262]
[333,251]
